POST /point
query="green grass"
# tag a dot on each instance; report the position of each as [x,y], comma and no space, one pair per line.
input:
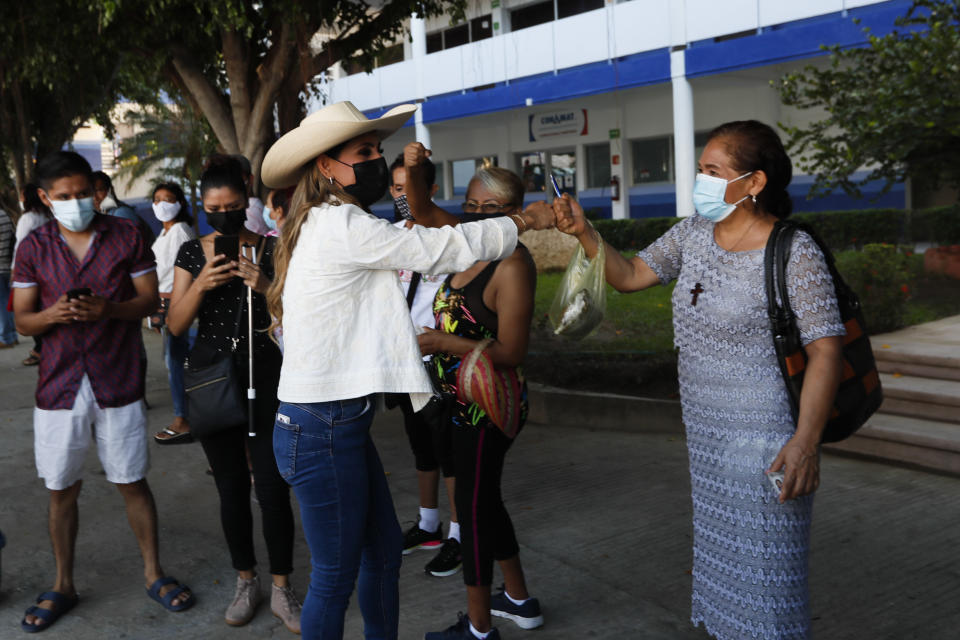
[634,321]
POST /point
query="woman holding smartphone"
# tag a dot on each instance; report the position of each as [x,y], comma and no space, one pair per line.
[211,287]
[336,288]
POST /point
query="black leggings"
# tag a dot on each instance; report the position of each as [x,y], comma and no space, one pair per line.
[227,454]
[432,448]
[486,532]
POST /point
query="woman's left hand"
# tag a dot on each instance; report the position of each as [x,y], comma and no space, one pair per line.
[432,341]
[251,275]
[800,461]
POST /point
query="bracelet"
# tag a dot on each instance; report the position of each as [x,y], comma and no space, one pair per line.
[520,222]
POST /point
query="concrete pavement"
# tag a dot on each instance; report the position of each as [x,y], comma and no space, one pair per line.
[603,518]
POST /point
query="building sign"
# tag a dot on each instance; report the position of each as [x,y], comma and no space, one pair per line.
[557,124]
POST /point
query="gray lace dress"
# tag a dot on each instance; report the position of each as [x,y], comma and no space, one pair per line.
[749,552]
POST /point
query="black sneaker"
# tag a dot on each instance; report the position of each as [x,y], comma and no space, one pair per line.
[416,538]
[527,615]
[447,562]
[460,631]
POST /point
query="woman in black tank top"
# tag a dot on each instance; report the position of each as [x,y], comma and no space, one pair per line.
[489,300]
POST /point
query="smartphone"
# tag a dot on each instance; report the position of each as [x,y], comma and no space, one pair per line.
[228,246]
[556,187]
[73,294]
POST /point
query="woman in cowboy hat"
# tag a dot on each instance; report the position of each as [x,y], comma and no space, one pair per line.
[335,290]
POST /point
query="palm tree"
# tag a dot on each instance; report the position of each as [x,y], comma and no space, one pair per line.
[171,142]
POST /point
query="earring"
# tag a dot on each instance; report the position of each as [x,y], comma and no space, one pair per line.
[754,198]
[330,178]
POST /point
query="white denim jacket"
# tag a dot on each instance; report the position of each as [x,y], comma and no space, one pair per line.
[346,328]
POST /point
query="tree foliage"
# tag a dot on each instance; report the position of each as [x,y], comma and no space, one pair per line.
[247,65]
[892,106]
[61,66]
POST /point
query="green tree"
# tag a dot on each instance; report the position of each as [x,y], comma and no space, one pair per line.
[247,65]
[61,66]
[171,142]
[892,106]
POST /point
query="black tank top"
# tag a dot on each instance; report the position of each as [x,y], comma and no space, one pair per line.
[462,312]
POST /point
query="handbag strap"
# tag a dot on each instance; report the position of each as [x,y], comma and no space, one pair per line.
[412,291]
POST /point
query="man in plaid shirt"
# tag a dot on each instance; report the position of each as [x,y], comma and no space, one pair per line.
[85,281]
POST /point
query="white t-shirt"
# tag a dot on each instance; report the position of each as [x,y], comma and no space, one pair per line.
[255,221]
[28,221]
[165,248]
[421,312]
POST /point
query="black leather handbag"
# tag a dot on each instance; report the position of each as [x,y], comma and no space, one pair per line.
[213,386]
[859,394]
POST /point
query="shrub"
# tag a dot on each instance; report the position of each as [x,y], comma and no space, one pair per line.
[882,276]
[839,229]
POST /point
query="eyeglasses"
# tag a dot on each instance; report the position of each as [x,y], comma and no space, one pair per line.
[237,210]
[486,207]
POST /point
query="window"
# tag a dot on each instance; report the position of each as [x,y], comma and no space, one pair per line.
[481,28]
[532,170]
[699,142]
[464,170]
[567,8]
[531,15]
[598,165]
[652,160]
[478,28]
[456,36]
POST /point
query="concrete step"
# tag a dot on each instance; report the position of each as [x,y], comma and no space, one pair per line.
[946,356]
[921,397]
[929,444]
[918,370]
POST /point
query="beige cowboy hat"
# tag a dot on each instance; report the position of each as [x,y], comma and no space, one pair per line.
[319,132]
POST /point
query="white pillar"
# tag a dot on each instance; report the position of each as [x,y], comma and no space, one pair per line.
[447,167]
[581,167]
[684,162]
[418,46]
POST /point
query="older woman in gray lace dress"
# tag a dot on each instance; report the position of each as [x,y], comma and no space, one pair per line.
[751,541]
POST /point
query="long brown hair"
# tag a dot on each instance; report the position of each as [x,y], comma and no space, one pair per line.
[313,190]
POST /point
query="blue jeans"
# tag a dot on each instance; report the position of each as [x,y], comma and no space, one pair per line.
[324,451]
[8,332]
[176,354]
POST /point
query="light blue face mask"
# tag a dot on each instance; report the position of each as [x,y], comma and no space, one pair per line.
[76,215]
[708,194]
[267,220]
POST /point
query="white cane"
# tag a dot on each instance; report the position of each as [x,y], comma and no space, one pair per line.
[251,390]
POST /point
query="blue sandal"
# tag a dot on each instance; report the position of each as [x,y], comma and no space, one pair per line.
[61,604]
[165,600]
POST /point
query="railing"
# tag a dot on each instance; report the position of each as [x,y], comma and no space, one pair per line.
[604,34]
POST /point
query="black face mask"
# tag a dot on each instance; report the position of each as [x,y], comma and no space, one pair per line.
[372,178]
[401,209]
[228,223]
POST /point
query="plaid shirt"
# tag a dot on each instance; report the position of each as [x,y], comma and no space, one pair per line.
[109,351]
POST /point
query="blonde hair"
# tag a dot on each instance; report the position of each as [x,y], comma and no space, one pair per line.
[313,190]
[503,183]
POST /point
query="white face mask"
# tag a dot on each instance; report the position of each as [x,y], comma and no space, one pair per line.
[708,196]
[108,204]
[166,211]
[76,215]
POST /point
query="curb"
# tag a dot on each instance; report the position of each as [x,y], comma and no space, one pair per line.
[610,412]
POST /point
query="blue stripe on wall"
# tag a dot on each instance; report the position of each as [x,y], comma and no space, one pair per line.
[792,40]
[789,41]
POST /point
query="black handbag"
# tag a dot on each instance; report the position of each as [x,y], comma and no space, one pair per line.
[214,396]
[859,394]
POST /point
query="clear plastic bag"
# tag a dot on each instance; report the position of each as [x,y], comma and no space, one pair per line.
[581,300]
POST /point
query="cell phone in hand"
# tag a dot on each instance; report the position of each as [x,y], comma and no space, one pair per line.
[228,246]
[73,294]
